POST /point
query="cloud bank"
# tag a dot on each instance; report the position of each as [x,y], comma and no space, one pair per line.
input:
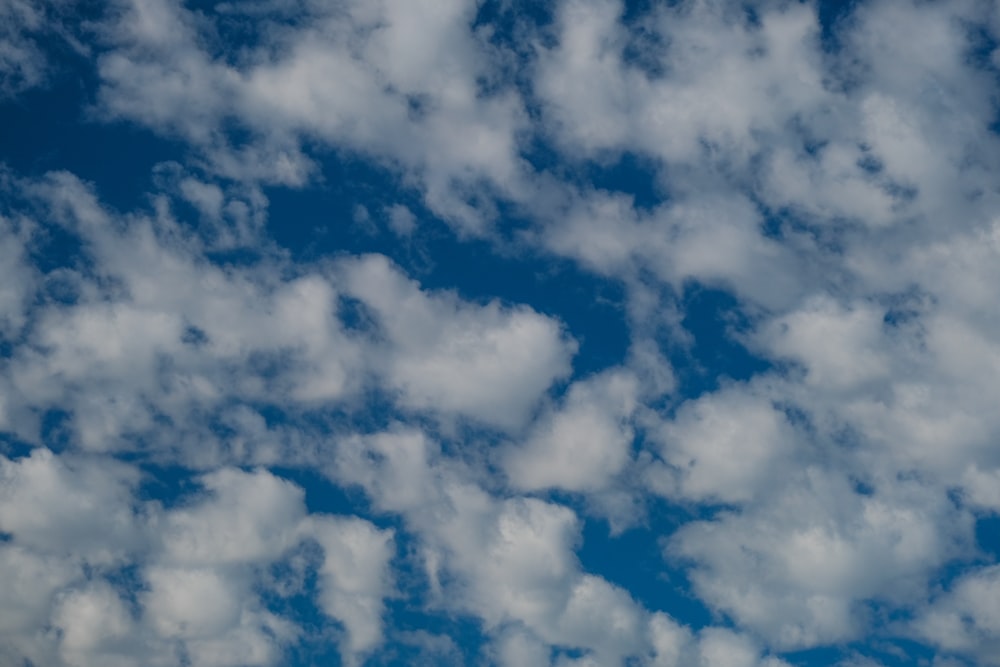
[485,333]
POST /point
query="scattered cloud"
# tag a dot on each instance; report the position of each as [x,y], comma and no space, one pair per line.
[233,435]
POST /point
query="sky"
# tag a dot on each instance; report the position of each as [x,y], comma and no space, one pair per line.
[489,332]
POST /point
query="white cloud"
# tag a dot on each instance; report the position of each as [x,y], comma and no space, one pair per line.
[30,583]
[73,524]
[966,619]
[78,508]
[488,362]
[797,567]
[839,346]
[354,578]
[243,518]
[519,648]
[95,624]
[716,79]
[387,79]
[191,603]
[729,446]
[583,444]
[401,220]
[155,332]
[505,561]
[510,561]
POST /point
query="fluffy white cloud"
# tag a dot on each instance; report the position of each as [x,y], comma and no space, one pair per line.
[582,445]
[244,518]
[511,562]
[399,81]
[728,447]
[74,524]
[798,567]
[354,578]
[151,332]
[96,627]
[517,647]
[78,508]
[506,561]
[18,279]
[489,362]
[966,619]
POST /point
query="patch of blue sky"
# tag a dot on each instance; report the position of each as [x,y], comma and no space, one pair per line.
[634,560]
[988,537]
[715,319]
[53,128]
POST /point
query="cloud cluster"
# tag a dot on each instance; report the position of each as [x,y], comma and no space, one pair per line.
[101,575]
[831,174]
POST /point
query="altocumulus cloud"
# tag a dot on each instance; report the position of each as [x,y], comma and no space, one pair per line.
[490,333]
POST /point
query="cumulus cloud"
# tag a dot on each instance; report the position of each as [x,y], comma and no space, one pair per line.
[723,447]
[168,334]
[834,179]
[964,619]
[393,80]
[582,445]
[488,362]
[78,525]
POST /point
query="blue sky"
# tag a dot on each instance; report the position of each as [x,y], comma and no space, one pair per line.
[439,332]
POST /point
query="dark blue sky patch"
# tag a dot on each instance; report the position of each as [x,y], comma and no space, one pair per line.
[814,657]
[13,447]
[515,29]
[411,640]
[885,653]
[289,588]
[797,230]
[128,582]
[324,497]
[634,561]
[631,174]
[981,46]
[988,537]
[54,247]
[56,430]
[712,317]
[169,485]
[898,652]
[233,32]
[636,10]
[832,14]
[511,25]
[644,47]
[46,129]
[325,219]
[356,317]
[194,336]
